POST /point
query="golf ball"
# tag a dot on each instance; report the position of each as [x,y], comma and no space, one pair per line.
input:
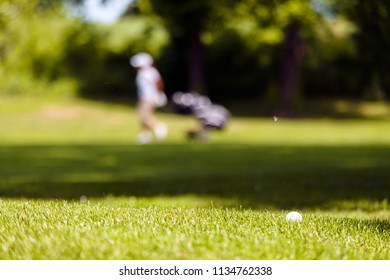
[83,199]
[293,217]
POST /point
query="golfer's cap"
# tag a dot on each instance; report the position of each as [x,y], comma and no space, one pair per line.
[141,60]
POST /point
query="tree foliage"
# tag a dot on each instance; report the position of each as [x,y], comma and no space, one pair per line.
[224,48]
[34,40]
[209,30]
[43,49]
[248,36]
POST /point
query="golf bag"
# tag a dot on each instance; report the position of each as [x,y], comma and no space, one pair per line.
[211,116]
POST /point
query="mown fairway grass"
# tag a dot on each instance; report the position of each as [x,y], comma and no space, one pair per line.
[74,186]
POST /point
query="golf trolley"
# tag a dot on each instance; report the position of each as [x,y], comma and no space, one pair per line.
[211,116]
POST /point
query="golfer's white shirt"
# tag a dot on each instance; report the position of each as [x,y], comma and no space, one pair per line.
[147,78]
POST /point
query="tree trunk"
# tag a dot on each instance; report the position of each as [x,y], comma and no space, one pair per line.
[291,66]
[196,64]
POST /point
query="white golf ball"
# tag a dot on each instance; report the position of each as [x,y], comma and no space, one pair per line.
[83,199]
[293,217]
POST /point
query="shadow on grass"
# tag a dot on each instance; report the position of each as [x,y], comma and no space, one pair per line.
[252,176]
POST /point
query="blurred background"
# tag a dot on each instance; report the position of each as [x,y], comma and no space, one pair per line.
[274,55]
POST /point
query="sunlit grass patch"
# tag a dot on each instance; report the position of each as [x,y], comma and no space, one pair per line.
[127,229]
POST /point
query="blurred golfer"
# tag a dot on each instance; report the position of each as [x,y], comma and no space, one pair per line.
[150,87]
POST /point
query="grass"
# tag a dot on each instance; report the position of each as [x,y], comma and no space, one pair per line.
[137,229]
[74,186]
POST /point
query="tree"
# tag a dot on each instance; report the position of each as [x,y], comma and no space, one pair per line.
[186,21]
[44,49]
[256,22]
[295,49]
[267,30]
[373,39]
[29,51]
[274,23]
